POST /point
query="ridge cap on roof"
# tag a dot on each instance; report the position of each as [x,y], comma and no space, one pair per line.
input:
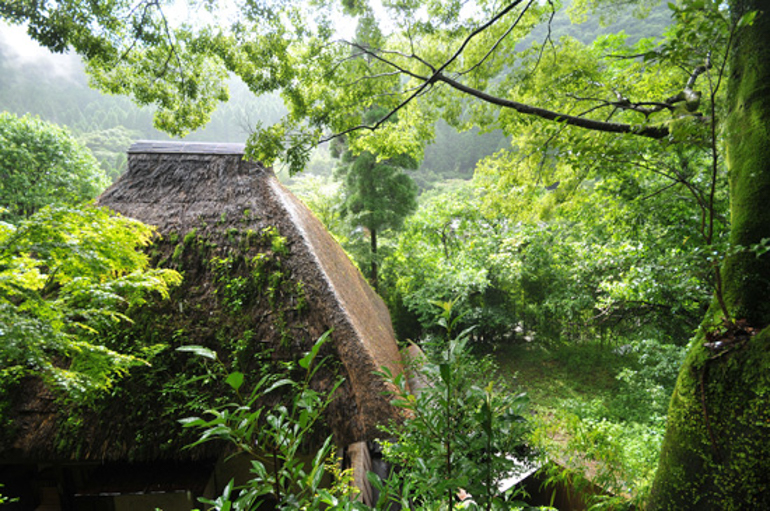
[178,147]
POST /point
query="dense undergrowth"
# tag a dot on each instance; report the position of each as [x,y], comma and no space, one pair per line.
[598,411]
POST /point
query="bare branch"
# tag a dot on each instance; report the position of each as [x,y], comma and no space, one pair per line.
[473,34]
[656,132]
[145,10]
[401,54]
[499,41]
[172,47]
[627,57]
[659,191]
[376,55]
[420,89]
[401,92]
[547,36]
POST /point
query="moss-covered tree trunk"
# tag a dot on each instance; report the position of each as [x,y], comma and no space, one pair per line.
[716,453]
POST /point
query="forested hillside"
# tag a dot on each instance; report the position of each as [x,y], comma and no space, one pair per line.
[55,88]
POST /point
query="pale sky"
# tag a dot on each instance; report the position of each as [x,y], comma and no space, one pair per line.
[23,50]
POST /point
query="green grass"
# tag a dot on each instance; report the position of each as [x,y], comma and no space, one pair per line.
[597,412]
[550,374]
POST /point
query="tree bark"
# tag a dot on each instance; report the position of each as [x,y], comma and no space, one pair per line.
[649,131]
[716,452]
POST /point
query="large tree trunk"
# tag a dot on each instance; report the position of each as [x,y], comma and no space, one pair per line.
[716,452]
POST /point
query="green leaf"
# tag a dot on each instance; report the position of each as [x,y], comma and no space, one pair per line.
[311,355]
[446,372]
[188,422]
[235,380]
[278,384]
[199,350]
[747,19]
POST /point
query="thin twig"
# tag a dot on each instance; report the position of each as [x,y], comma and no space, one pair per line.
[499,41]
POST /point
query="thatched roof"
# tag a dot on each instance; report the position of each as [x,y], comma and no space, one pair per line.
[210,190]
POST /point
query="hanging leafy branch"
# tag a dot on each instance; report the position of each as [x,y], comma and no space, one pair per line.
[428,67]
[65,274]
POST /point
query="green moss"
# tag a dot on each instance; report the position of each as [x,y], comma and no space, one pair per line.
[236,298]
[258,265]
[301,303]
[748,158]
[189,238]
[176,257]
[233,234]
[278,243]
[716,453]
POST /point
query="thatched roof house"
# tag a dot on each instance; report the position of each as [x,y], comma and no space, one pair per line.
[180,187]
[262,280]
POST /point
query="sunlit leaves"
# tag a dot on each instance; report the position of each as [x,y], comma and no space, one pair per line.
[275,437]
[66,273]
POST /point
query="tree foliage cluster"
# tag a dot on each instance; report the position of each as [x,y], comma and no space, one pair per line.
[68,273]
[40,164]
[109,124]
[68,269]
[605,255]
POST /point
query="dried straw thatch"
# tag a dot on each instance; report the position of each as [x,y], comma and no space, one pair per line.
[211,191]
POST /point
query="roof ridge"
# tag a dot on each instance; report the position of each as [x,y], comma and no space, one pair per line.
[180,147]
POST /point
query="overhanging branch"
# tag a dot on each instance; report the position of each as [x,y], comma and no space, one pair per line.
[649,131]
[437,75]
[656,132]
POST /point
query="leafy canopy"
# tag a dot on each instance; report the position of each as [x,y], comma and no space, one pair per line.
[418,61]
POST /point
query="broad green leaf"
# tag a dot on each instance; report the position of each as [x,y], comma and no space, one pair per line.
[235,380]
